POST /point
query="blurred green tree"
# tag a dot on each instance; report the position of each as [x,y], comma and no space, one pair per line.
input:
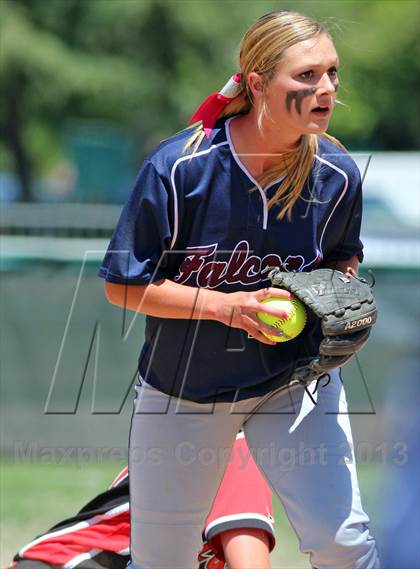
[146,64]
[49,73]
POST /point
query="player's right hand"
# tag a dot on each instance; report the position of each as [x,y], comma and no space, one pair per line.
[239,310]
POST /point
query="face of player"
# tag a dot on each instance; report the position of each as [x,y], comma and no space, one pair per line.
[301,95]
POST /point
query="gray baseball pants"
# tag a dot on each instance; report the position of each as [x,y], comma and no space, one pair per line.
[179,450]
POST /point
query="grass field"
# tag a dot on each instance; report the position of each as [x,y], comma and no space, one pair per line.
[34,497]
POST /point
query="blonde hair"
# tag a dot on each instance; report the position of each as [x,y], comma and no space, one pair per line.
[261,49]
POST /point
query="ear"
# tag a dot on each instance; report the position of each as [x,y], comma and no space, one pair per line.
[255,84]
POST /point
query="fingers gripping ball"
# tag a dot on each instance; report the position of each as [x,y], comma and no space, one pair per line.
[291,326]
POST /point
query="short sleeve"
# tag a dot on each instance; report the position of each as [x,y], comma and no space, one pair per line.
[346,223]
[143,233]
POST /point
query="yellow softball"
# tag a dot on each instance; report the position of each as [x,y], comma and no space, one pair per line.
[291,326]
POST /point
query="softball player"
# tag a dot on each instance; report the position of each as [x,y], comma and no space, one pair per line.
[211,209]
[238,529]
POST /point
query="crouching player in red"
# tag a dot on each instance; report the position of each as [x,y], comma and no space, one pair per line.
[238,532]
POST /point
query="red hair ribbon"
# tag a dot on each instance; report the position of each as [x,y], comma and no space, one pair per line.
[210,108]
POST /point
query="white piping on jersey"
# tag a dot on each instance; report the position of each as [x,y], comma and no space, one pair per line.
[174,167]
[346,182]
[120,477]
[241,516]
[260,189]
[244,169]
[125,551]
[84,556]
[78,526]
[346,185]
[79,558]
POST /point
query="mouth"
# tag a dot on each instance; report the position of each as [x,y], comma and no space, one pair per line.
[321,111]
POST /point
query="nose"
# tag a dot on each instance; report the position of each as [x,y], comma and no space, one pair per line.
[326,85]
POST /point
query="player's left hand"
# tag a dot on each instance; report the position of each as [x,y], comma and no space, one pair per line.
[346,307]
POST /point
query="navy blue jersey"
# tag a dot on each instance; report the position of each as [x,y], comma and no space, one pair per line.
[203,221]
